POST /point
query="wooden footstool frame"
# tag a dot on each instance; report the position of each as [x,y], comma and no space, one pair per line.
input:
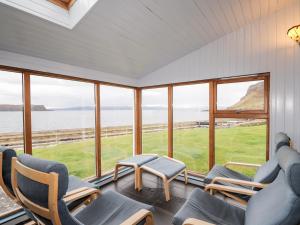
[134,166]
[166,181]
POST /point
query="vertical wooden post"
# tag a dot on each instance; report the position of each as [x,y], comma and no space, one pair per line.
[267,111]
[27,114]
[138,121]
[170,121]
[97,130]
[212,107]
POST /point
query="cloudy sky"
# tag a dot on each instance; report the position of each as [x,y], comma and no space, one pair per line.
[57,93]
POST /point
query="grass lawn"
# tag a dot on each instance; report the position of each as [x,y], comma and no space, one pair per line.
[242,144]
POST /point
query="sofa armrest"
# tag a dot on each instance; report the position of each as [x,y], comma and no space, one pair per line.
[238,182]
[241,164]
[138,217]
[192,221]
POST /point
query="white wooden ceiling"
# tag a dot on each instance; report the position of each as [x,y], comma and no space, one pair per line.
[130,37]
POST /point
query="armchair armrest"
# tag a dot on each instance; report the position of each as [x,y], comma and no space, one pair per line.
[138,217]
[192,221]
[224,188]
[238,182]
[250,165]
[80,193]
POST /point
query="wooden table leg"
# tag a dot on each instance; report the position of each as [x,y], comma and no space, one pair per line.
[136,177]
[116,172]
[140,179]
[185,176]
[166,189]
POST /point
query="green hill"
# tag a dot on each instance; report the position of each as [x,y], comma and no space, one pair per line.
[254,98]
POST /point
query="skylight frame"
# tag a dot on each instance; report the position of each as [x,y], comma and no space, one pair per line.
[49,11]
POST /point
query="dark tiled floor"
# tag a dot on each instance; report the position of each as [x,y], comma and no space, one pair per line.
[153,194]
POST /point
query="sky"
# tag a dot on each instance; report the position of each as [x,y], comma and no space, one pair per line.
[58,93]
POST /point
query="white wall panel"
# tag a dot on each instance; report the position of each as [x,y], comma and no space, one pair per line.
[28,62]
[262,46]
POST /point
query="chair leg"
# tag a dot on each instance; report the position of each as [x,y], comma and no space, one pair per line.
[140,179]
[185,176]
[136,178]
[166,189]
[116,172]
[149,220]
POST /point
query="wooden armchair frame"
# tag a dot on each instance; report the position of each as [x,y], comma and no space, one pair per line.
[192,221]
[229,191]
[51,180]
[241,164]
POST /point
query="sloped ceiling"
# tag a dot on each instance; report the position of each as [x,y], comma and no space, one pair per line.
[130,37]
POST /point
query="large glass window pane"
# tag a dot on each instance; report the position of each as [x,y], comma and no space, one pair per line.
[240,140]
[11,110]
[191,126]
[241,96]
[11,123]
[117,119]
[155,121]
[63,123]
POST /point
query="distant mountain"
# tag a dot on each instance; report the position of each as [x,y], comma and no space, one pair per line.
[90,108]
[254,98]
[6,107]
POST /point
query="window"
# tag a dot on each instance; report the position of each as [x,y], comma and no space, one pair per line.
[240,140]
[191,126]
[11,124]
[241,96]
[11,111]
[117,119]
[155,121]
[63,123]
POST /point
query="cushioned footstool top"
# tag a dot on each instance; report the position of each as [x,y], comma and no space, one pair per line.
[139,160]
[166,166]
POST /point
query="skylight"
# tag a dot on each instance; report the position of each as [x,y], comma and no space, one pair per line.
[65,4]
[66,13]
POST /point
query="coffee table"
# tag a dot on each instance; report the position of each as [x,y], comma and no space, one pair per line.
[135,162]
[166,168]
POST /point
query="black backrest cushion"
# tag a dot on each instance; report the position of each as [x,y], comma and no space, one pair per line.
[8,154]
[281,139]
[38,192]
[279,202]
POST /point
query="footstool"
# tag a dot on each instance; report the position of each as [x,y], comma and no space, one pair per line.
[135,162]
[166,168]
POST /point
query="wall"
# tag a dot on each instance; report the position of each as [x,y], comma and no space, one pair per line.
[259,47]
[28,62]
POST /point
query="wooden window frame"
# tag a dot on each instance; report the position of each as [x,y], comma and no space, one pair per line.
[261,77]
[213,112]
[63,4]
[169,88]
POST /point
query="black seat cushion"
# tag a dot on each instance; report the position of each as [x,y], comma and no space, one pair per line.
[110,208]
[203,206]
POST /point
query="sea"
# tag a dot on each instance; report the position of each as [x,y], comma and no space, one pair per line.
[76,119]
